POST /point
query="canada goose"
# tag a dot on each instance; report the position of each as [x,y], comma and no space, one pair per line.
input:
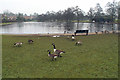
[30,41]
[96,32]
[78,43]
[56,36]
[18,44]
[73,38]
[106,31]
[102,32]
[53,56]
[59,52]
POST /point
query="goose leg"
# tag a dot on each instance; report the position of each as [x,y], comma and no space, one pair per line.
[60,56]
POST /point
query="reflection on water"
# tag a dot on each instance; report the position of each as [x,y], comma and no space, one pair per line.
[54,27]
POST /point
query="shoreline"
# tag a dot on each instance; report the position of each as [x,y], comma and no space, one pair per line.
[59,34]
[4,24]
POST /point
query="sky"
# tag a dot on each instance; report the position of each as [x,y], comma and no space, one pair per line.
[42,6]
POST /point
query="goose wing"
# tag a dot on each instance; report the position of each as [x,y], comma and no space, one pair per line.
[59,51]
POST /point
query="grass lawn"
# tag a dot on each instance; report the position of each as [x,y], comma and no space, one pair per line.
[97,57]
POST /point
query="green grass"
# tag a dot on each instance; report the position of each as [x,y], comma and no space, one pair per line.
[5,23]
[96,58]
[82,21]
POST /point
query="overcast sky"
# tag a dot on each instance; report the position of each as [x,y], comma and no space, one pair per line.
[41,6]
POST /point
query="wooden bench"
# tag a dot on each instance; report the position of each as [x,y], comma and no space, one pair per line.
[82,31]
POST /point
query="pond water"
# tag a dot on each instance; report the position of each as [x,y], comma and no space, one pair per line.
[53,27]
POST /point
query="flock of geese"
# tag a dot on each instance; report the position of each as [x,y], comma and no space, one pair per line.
[19,44]
[56,53]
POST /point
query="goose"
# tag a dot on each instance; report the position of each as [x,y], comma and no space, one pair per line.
[73,38]
[53,56]
[102,32]
[56,36]
[106,31]
[78,43]
[96,32]
[18,44]
[59,52]
[30,41]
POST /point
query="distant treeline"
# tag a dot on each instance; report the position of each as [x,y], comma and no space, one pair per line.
[111,14]
[96,14]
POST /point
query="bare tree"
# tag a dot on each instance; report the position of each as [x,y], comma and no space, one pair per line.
[112,10]
[98,13]
[118,15]
[91,14]
[79,14]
